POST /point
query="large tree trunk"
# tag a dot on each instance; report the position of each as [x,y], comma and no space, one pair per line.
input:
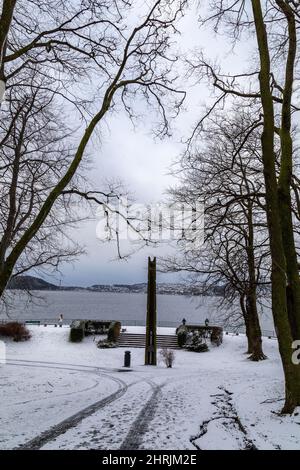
[247,326]
[251,299]
[291,310]
[285,176]
[5,274]
[278,274]
[6,17]
[254,330]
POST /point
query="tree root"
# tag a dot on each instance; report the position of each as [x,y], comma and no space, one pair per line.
[257,356]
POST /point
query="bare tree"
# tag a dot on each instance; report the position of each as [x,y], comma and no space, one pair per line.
[34,152]
[139,66]
[70,39]
[270,84]
[225,172]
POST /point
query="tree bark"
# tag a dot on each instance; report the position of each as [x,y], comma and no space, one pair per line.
[278,273]
[251,298]
[247,326]
[5,22]
[254,330]
[286,174]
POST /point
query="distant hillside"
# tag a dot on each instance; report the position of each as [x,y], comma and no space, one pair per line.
[35,283]
[161,288]
[30,283]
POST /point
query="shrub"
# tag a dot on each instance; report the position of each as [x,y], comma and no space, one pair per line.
[199,347]
[216,336]
[181,336]
[96,327]
[114,331]
[15,330]
[168,356]
[104,344]
[77,331]
[212,333]
[197,343]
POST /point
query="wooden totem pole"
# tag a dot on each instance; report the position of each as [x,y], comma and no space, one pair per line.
[150,346]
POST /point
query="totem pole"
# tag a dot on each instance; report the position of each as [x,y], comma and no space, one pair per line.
[150,346]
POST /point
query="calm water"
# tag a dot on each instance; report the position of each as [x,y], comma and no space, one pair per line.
[128,308]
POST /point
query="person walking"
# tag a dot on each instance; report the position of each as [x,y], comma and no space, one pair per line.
[61,320]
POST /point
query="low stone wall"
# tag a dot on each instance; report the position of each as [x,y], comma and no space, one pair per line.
[81,328]
[213,333]
[97,327]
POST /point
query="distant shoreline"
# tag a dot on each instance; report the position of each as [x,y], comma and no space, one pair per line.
[31,283]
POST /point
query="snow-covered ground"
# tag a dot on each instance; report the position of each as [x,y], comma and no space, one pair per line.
[59,395]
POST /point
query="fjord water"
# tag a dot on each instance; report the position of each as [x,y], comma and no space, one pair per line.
[128,308]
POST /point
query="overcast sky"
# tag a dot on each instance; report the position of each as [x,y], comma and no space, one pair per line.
[143,164]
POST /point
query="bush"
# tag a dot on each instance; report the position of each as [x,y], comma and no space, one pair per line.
[114,331]
[15,330]
[197,343]
[216,336]
[77,331]
[168,356]
[104,344]
[181,336]
[212,333]
[95,327]
[199,347]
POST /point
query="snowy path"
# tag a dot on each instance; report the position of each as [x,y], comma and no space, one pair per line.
[141,424]
[135,432]
[226,422]
[73,420]
[59,395]
[44,401]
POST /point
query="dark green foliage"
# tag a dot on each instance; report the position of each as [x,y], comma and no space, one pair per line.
[77,331]
[194,337]
[213,333]
[114,331]
[104,344]
[181,336]
[16,331]
[76,335]
[197,347]
[82,328]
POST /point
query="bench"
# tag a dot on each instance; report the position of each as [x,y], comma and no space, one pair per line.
[32,322]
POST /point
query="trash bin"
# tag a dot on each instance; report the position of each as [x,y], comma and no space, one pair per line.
[127,359]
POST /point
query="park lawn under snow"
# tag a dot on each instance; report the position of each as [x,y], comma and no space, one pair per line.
[213,400]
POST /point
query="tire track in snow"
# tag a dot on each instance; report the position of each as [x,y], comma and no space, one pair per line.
[108,427]
[140,425]
[58,395]
[60,428]
[91,370]
[50,364]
